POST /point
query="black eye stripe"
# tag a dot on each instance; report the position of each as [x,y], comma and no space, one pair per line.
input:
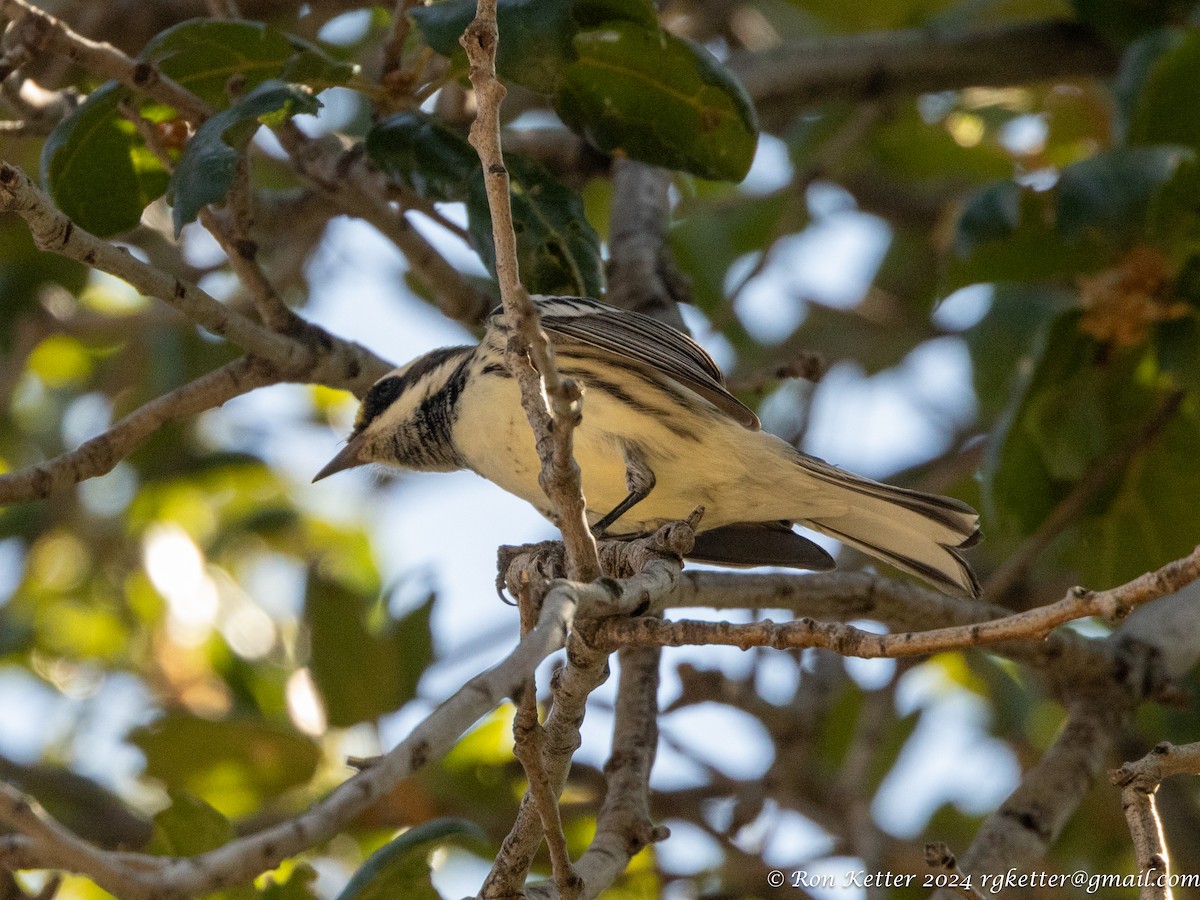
[381,395]
[385,391]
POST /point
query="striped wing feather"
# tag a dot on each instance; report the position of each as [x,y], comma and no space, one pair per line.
[644,342]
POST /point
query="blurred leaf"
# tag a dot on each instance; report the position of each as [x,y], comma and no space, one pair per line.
[647,94]
[189,826]
[908,147]
[24,269]
[233,764]
[95,139]
[993,212]
[1083,401]
[1006,340]
[1121,21]
[1153,517]
[364,662]
[1112,191]
[990,249]
[400,868]
[557,250]
[420,152]
[1137,64]
[207,55]
[535,42]
[1177,345]
[296,885]
[205,171]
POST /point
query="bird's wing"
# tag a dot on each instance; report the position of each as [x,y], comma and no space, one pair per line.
[645,342]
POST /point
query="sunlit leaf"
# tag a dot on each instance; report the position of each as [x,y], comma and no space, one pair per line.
[365,663]
[189,826]
[232,764]
[94,140]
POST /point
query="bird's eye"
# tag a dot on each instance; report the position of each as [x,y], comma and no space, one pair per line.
[381,395]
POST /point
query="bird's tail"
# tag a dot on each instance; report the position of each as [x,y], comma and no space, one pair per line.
[917,533]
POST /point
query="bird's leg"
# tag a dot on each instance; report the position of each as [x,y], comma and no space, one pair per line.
[639,479]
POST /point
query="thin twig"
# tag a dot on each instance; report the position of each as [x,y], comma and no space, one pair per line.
[528,740]
[551,402]
[349,183]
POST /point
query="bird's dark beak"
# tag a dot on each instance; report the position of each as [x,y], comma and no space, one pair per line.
[347,458]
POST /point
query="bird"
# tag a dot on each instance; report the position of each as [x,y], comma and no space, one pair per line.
[660,435]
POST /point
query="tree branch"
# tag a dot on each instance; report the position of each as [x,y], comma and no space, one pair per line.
[863,67]
[1065,659]
[1021,831]
[39,32]
[655,565]
[99,455]
[1139,782]
[551,402]
[641,274]
[308,352]
[241,860]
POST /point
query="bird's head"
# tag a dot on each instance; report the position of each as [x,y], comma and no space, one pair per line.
[405,418]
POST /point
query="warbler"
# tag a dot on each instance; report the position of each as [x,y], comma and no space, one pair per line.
[660,435]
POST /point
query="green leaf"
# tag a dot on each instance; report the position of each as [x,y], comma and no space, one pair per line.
[1112,191]
[24,269]
[400,868]
[296,886]
[989,249]
[1152,517]
[535,37]
[364,662]
[419,151]
[189,826]
[557,250]
[1006,340]
[232,764]
[992,213]
[1079,405]
[658,98]
[96,167]
[203,55]
[1177,345]
[205,172]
